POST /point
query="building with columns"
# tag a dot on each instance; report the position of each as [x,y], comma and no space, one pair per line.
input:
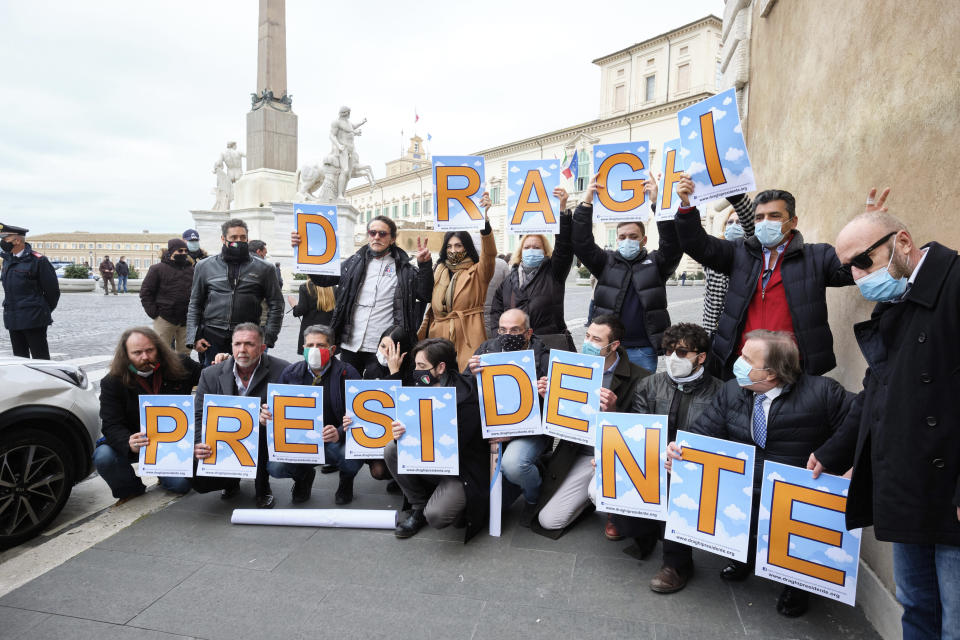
[642,88]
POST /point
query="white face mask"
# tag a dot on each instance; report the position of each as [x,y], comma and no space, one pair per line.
[382,359]
[678,367]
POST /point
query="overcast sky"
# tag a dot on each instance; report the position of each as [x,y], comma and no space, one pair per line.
[115,112]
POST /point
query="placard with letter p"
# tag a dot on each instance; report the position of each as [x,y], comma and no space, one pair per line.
[373,407]
[635,444]
[319,249]
[711,495]
[295,432]
[231,427]
[430,444]
[531,205]
[572,401]
[718,162]
[508,394]
[802,538]
[621,169]
[457,188]
[168,422]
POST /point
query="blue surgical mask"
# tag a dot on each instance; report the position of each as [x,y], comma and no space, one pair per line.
[629,248]
[768,232]
[880,286]
[591,349]
[532,257]
[733,231]
[741,370]
[193,245]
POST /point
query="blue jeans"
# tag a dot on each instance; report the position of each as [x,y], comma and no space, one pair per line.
[117,471]
[333,454]
[928,587]
[519,464]
[645,357]
[122,283]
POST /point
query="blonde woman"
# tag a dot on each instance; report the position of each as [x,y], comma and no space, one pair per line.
[315,306]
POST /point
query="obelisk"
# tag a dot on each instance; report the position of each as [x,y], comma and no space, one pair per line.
[271,123]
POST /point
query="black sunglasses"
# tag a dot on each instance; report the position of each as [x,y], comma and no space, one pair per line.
[863,260]
[680,352]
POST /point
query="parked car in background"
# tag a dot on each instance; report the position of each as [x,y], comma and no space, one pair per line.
[49,424]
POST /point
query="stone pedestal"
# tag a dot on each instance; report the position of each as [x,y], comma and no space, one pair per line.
[280,248]
[260,187]
[271,139]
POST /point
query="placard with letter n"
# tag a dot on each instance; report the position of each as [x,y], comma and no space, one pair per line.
[231,428]
[168,422]
[572,401]
[802,538]
[621,170]
[717,162]
[430,444]
[711,495]
[630,477]
[531,205]
[509,403]
[295,434]
[319,249]
[373,407]
[457,188]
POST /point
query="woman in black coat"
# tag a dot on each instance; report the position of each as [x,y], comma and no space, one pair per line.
[537,282]
[315,306]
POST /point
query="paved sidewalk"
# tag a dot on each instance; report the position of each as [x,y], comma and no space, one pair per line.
[186,571]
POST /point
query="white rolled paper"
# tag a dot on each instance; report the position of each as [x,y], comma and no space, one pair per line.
[349,518]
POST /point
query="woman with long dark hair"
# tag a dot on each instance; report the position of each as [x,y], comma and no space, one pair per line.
[461,278]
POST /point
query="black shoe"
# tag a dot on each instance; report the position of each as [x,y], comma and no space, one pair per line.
[528,514]
[735,572]
[329,468]
[229,492]
[303,487]
[793,602]
[411,524]
[265,501]
[394,488]
[344,494]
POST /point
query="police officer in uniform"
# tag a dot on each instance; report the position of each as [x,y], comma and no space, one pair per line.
[31,292]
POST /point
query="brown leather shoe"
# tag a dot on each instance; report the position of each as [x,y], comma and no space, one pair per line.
[668,580]
[611,531]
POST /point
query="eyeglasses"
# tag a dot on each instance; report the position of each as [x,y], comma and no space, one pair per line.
[513,331]
[680,352]
[373,233]
[863,260]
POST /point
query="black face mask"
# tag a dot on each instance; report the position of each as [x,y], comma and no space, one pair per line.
[511,342]
[424,378]
[6,245]
[236,252]
[180,258]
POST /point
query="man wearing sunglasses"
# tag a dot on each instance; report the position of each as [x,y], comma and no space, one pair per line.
[902,436]
[379,289]
[777,281]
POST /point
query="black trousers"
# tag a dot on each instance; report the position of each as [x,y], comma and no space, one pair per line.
[261,484]
[359,360]
[675,554]
[30,343]
[221,341]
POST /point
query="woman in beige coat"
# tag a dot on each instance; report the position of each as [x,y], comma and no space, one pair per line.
[461,278]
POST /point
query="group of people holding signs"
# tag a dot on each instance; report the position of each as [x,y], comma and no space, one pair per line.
[739,446]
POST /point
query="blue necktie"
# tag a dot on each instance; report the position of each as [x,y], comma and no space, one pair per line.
[759,421]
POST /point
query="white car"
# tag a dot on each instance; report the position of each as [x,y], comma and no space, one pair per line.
[49,424]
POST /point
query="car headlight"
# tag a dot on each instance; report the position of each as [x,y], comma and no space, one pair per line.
[68,373]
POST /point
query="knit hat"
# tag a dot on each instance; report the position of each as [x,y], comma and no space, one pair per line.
[175,243]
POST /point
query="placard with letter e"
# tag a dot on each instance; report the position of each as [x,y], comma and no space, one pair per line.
[319,249]
[711,495]
[531,205]
[630,477]
[718,162]
[430,444]
[295,432]
[572,401]
[671,170]
[373,407]
[457,188]
[802,539]
[168,423]
[507,382]
[622,169]
[231,427]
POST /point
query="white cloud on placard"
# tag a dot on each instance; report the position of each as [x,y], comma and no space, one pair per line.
[448,396]
[312,435]
[733,154]
[438,163]
[838,555]
[545,173]
[410,413]
[553,166]
[718,114]
[353,389]
[187,403]
[636,432]
[693,135]
[169,460]
[763,513]
[446,440]
[477,163]
[690,466]
[774,476]
[685,502]
[748,490]
[403,397]
[727,100]
[600,154]
[823,488]
[587,410]
[734,512]
[695,168]
[684,152]
[641,149]
[439,405]
[684,121]
[738,128]
[409,440]
[518,183]
[742,455]
[675,479]
[514,169]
